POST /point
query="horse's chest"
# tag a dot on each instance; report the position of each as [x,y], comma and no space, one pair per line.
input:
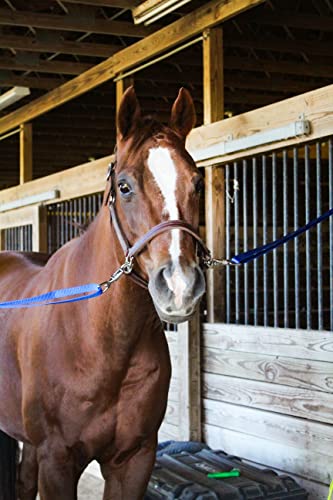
[130,418]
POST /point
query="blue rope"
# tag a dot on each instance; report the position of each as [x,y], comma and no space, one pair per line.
[245,257]
[84,292]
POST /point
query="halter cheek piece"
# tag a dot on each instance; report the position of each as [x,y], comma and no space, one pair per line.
[132,251]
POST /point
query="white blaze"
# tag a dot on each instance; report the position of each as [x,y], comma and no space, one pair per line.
[164,172]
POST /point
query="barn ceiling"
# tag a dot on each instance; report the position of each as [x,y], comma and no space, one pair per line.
[271,52]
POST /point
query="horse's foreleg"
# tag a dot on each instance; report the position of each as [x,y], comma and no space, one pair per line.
[28,474]
[130,480]
[58,473]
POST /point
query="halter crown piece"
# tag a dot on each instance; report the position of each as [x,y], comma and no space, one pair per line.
[132,251]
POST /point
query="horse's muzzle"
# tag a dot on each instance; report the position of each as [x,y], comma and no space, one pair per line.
[176,291]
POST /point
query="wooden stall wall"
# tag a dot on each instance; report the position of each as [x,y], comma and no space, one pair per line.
[268,397]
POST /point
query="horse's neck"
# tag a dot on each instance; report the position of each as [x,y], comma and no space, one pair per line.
[126,309]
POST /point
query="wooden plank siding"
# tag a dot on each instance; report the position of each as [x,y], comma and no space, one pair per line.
[268,397]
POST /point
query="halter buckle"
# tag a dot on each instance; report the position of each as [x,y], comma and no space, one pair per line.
[125,268]
[210,262]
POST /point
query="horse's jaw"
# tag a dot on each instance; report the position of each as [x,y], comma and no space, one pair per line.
[173,318]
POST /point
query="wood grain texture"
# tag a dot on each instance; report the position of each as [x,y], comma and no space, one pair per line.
[213,97]
[306,374]
[297,432]
[168,432]
[189,369]
[71,23]
[25,152]
[301,344]
[313,405]
[307,464]
[317,107]
[186,27]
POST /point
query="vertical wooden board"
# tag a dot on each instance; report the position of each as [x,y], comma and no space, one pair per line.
[25,152]
[213,75]
[189,378]
[213,95]
[39,230]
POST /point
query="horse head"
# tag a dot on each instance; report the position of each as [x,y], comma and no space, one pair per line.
[156,180]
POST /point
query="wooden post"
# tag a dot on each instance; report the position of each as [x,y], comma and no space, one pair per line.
[214,176]
[39,229]
[189,372]
[25,152]
[121,86]
[2,239]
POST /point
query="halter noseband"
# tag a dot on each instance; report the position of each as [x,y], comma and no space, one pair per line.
[132,251]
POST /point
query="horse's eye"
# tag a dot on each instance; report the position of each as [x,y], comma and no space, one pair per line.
[124,188]
[199,184]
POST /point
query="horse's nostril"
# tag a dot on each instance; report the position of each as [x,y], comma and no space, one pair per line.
[169,309]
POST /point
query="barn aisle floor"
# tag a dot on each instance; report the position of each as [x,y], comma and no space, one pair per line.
[90,487]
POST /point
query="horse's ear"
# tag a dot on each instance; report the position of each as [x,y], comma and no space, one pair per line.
[183,113]
[129,113]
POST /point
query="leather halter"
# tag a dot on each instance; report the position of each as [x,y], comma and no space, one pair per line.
[132,251]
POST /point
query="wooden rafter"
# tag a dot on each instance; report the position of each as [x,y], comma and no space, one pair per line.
[302,21]
[121,4]
[71,23]
[63,46]
[184,28]
[286,67]
[62,67]
[11,80]
[312,47]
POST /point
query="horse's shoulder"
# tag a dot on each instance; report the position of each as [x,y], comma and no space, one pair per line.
[12,260]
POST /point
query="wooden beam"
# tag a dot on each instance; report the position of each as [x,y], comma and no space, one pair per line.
[120,4]
[71,23]
[214,176]
[302,21]
[25,152]
[269,66]
[188,26]
[63,46]
[31,82]
[318,48]
[64,67]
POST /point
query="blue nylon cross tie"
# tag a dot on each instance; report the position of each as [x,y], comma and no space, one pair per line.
[84,291]
[245,257]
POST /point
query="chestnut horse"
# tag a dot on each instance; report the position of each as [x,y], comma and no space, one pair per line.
[89,380]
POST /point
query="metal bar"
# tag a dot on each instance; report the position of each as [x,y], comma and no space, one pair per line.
[236,248]
[158,59]
[255,239]
[9,134]
[330,183]
[227,243]
[274,235]
[285,231]
[308,238]
[319,240]
[245,245]
[264,238]
[296,241]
